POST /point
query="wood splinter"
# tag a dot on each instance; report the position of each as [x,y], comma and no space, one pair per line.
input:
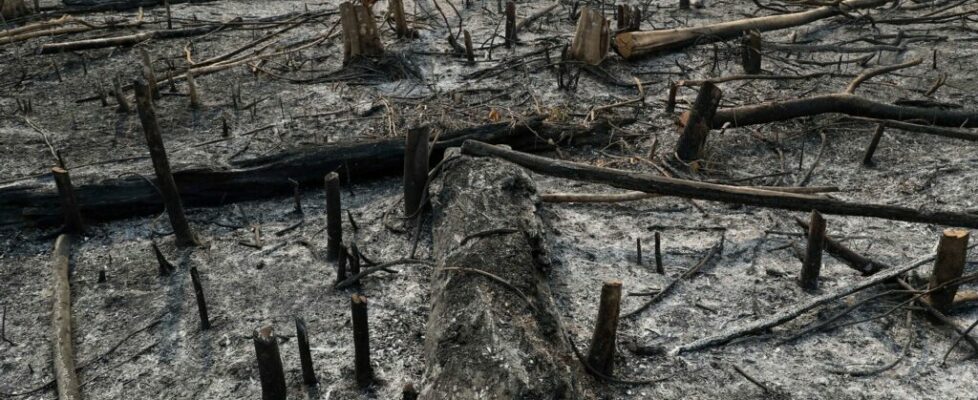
[871,149]
[166,184]
[813,254]
[270,371]
[658,255]
[361,342]
[601,355]
[205,322]
[952,251]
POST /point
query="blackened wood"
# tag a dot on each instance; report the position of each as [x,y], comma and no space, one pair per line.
[334,218]
[843,104]
[871,149]
[164,266]
[813,253]
[69,203]
[751,52]
[692,137]
[341,260]
[396,9]
[658,255]
[63,346]
[270,371]
[510,24]
[650,183]
[601,354]
[952,251]
[101,198]
[683,4]
[409,392]
[855,260]
[148,74]
[361,342]
[120,96]
[296,196]
[165,182]
[469,53]
[638,251]
[305,356]
[416,155]
[205,322]
[127,40]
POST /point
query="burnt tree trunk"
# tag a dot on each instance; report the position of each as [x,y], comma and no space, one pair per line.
[493,331]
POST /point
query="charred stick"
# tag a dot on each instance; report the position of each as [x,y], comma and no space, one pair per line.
[205,323]
[334,218]
[305,357]
[270,371]
[601,355]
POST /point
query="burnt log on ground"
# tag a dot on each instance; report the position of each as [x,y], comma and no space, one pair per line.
[842,103]
[36,200]
[716,192]
[493,331]
[118,5]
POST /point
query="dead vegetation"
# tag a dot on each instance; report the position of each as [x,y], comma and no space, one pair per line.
[485,268]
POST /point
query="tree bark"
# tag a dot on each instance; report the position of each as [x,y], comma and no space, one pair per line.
[493,331]
[715,192]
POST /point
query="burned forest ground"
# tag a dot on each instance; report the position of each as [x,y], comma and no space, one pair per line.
[137,335]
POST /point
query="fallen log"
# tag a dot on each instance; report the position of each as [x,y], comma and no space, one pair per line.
[493,331]
[636,44]
[62,343]
[716,192]
[841,103]
[127,40]
[36,201]
[80,6]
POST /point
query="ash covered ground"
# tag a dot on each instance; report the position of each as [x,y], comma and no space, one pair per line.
[138,334]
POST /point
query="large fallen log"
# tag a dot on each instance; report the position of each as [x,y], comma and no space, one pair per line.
[493,331]
[639,43]
[127,40]
[117,5]
[841,103]
[62,343]
[37,201]
[710,191]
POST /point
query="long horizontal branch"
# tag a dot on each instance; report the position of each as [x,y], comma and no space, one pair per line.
[126,40]
[716,192]
[843,104]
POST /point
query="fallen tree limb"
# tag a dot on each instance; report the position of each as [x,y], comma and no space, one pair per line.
[639,43]
[37,200]
[127,40]
[930,130]
[492,293]
[636,195]
[792,313]
[710,191]
[61,341]
[841,103]
[855,260]
[714,251]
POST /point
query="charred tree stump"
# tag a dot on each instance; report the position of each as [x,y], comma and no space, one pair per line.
[360,37]
[592,39]
[62,343]
[658,255]
[341,260]
[469,53]
[69,203]
[629,19]
[270,370]
[361,342]
[354,259]
[492,291]
[334,218]
[813,254]
[638,251]
[510,24]
[164,178]
[396,9]
[871,149]
[305,357]
[601,355]
[205,322]
[10,9]
[416,154]
[951,253]
[751,52]
[697,123]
